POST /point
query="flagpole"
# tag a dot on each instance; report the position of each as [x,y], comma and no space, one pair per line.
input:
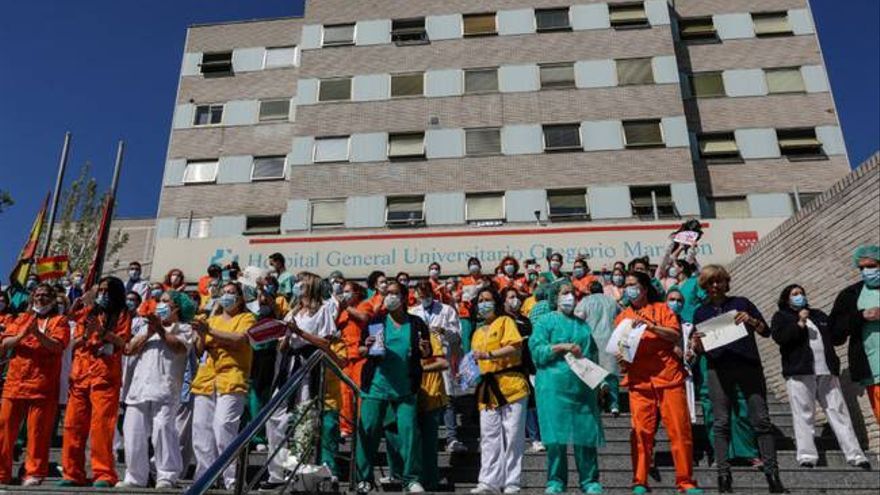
[104,235]
[120,151]
[62,164]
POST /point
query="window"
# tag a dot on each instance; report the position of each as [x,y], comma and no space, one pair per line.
[652,202]
[480,80]
[785,81]
[771,24]
[479,142]
[567,205]
[562,137]
[800,200]
[632,71]
[552,20]
[217,64]
[268,167]
[719,147]
[282,56]
[193,228]
[628,15]
[200,172]
[406,145]
[338,35]
[331,149]
[485,208]
[405,211]
[697,29]
[799,144]
[208,115]
[479,24]
[409,32]
[263,225]
[708,85]
[335,89]
[734,207]
[274,110]
[328,213]
[408,85]
[555,76]
[642,133]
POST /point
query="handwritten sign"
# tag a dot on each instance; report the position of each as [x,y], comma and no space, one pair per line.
[721,331]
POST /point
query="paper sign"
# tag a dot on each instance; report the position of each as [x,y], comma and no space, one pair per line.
[377,330]
[266,330]
[721,330]
[686,237]
[468,372]
[625,340]
[589,372]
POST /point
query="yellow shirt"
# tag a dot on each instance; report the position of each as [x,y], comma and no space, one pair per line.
[501,333]
[333,385]
[527,306]
[225,369]
[432,395]
[281,307]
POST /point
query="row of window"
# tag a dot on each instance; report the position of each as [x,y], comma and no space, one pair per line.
[262,168]
[779,81]
[766,25]
[482,209]
[272,110]
[794,144]
[219,64]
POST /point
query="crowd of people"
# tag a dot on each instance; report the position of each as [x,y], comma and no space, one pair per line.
[166,371]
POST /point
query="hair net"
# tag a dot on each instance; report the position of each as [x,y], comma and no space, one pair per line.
[866,251]
[185,304]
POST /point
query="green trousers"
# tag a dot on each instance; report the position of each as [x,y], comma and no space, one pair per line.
[613,382]
[330,440]
[429,426]
[397,418]
[742,437]
[586,459]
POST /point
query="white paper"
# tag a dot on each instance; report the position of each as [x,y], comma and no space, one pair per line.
[721,330]
[686,237]
[589,372]
[625,340]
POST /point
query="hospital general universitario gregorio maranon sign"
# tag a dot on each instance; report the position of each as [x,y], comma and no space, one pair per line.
[356,254]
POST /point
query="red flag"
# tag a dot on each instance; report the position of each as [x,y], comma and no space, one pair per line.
[25,259]
[101,245]
[52,267]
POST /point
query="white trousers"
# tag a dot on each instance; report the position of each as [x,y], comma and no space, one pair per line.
[803,393]
[215,425]
[183,423]
[276,434]
[146,422]
[502,442]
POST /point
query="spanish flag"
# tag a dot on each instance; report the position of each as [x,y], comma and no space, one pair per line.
[52,267]
[25,259]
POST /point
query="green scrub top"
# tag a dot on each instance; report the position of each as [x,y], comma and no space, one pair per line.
[285,284]
[870,298]
[391,380]
[693,295]
[568,412]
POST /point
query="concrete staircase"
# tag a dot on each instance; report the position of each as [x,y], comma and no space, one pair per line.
[459,471]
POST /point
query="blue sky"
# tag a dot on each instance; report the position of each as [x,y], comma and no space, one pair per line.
[107,70]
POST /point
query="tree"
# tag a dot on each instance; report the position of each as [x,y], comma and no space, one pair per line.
[5,200]
[76,229]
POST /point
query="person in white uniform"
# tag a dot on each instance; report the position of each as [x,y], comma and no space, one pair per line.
[811,368]
[157,359]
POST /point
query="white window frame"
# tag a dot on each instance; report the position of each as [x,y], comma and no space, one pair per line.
[405,74]
[464,73]
[416,222]
[353,34]
[262,179]
[465,35]
[552,30]
[312,203]
[334,79]
[210,105]
[295,62]
[487,222]
[347,152]
[248,232]
[476,129]
[569,218]
[213,179]
[286,118]
[407,157]
[189,223]
[641,146]
[579,147]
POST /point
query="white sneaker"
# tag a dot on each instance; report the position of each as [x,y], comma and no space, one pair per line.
[538,447]
[32,481]
[387,480]
[456,447]
[511,489]
[415,487]
[125,484]
[364,487]
[482,488]
[165,485]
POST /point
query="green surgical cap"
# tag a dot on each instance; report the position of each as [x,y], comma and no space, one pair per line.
[185,304]
[871,251]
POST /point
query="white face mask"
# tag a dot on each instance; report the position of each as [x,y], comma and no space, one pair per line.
[514,303]
[41,310]
[566,303]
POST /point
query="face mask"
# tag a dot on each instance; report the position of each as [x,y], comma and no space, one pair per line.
[102,300]
[392,302]
[382,287]
[155,293]
[798,301]
[673,271]
[633,292]
[513,304]
[130,304]
[427,302]
[579,272]
[555,265]
[337,288]
[617,280]
[606,277]
[297,289]
[228,300]
[871,277]
[134,274]
[566,303]
[509,269]
[675,306]
[474,268]
[77,280]
[434,273]
[65,283]
[346,296]
[175,279]
[41,310]
[163,311]
[485,308]
[533,276]
[30,284]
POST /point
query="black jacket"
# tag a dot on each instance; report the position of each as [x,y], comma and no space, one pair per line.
[847,323]
[418,331]
[794,342]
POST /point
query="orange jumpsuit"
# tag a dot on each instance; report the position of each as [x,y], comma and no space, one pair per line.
[351,332]
[31,390]
[93,404]
[519,282]
[582,285]
[656,382]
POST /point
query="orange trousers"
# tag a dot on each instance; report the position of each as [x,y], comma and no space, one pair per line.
[673,408]
[346,414]
[874,397]
[91,410]
[40,415]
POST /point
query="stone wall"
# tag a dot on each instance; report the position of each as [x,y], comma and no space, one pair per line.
[813,248]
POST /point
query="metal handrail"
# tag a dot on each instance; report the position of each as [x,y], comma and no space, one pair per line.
[239,446]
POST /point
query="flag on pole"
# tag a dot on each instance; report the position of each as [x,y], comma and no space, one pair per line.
[52,267]
[101,245]
[25,259]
